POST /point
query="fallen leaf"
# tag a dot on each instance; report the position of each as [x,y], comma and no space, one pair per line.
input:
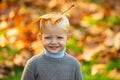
[97,68]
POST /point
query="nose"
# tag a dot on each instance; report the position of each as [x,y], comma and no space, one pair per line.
[53,41]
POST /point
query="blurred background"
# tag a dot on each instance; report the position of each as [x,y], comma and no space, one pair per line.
[95,35]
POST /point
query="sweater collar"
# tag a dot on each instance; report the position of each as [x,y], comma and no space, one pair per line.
[58,55]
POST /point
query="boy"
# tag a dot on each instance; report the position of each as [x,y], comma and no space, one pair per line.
[53,63]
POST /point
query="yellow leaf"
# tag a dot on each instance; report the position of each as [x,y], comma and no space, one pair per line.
[97,68]
[3,25]
[3,41]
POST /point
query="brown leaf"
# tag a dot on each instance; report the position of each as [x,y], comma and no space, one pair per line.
[89,52]
[117,41]
[54,17]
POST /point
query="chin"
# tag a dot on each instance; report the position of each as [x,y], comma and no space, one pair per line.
[55,52]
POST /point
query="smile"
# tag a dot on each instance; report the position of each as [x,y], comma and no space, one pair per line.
[54,47]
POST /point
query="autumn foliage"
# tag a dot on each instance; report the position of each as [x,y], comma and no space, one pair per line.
[95,34]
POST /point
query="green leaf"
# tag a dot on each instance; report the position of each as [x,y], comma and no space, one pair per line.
[11,51]
[113,20]
[17,76]
[113,64]
[72,45]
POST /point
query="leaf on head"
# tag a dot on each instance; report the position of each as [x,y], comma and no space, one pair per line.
[53,16]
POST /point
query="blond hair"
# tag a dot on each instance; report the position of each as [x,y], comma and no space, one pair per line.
[62,23]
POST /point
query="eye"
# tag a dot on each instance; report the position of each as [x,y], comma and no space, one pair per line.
[60,37]
[47,37]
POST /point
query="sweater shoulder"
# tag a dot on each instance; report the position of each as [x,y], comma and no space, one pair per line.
[33,60]
[72,59]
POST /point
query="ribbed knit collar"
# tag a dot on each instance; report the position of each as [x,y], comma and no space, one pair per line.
[58,55]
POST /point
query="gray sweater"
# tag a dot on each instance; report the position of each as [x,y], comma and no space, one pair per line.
[42,67]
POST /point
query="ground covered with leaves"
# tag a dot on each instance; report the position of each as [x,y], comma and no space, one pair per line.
[95,35]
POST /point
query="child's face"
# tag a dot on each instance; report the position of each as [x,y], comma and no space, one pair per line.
[54,39]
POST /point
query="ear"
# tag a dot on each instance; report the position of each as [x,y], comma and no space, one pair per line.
[69,36]
[39,37]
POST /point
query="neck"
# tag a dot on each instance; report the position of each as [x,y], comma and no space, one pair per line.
[57,55]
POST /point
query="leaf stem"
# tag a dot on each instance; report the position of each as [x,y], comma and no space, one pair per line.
[68,9]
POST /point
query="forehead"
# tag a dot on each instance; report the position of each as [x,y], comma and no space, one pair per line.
[54,30]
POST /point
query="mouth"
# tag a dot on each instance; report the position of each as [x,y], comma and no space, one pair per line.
[53,47]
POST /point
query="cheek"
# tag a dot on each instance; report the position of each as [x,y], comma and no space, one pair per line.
[45,42]
[63,41]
